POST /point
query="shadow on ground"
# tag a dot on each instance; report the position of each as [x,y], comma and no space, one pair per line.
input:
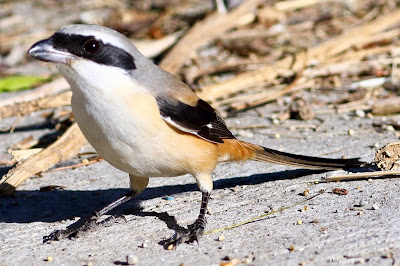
[35,206]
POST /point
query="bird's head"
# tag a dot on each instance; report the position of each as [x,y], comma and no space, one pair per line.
[94,55]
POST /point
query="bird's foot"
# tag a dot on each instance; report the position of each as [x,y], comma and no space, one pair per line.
[192,234]
[81,227]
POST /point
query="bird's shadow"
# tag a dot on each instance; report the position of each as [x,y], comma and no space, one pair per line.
[57,205]
[34,206]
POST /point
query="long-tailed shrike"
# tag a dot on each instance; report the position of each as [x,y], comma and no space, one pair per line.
[145,121]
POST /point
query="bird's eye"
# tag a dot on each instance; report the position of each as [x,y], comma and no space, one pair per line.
[91,46]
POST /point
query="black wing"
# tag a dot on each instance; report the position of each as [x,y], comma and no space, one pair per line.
[201,120]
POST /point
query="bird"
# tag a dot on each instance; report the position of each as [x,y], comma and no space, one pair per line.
[147,122]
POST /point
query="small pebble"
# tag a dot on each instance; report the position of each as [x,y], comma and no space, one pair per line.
[49,258]
[277,135]
[144,245]
[360,113]
[171,247]
[221,238]
[132,259]
[169,198]
[291,248]
[363,203]
[350,132]
[299,222]
[390,128]
[306,193]
[375,207]
[85,160]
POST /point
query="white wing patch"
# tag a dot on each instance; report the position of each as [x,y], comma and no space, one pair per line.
[193,132]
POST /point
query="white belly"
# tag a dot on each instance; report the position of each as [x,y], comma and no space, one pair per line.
[121,131]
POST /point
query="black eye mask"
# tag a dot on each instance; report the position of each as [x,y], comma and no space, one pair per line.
[93,49]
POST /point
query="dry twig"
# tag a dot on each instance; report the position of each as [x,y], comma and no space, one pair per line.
[203,32]
[359,176]
[321,53]
[24,108]
[67,146]
[386,106]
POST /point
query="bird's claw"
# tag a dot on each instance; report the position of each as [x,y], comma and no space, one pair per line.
[194,233]
[81,227]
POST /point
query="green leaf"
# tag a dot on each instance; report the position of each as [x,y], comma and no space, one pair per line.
[17,83]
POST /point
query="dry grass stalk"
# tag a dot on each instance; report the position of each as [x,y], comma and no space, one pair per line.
[67,146]
[24,108]
[96,159]
[297,4]
[267,97]
[203,32]
[321,53]
[355,37]
[360,175]
[153,48]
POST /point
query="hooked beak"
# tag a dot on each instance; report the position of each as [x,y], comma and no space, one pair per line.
[44,50]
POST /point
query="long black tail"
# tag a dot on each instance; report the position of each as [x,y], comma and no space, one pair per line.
[309,162]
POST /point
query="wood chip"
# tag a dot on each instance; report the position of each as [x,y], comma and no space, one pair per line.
[340,191]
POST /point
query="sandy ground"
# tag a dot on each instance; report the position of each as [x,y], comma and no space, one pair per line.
[360,227]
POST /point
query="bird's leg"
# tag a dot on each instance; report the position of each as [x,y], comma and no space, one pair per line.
[195,230]
[90,222]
